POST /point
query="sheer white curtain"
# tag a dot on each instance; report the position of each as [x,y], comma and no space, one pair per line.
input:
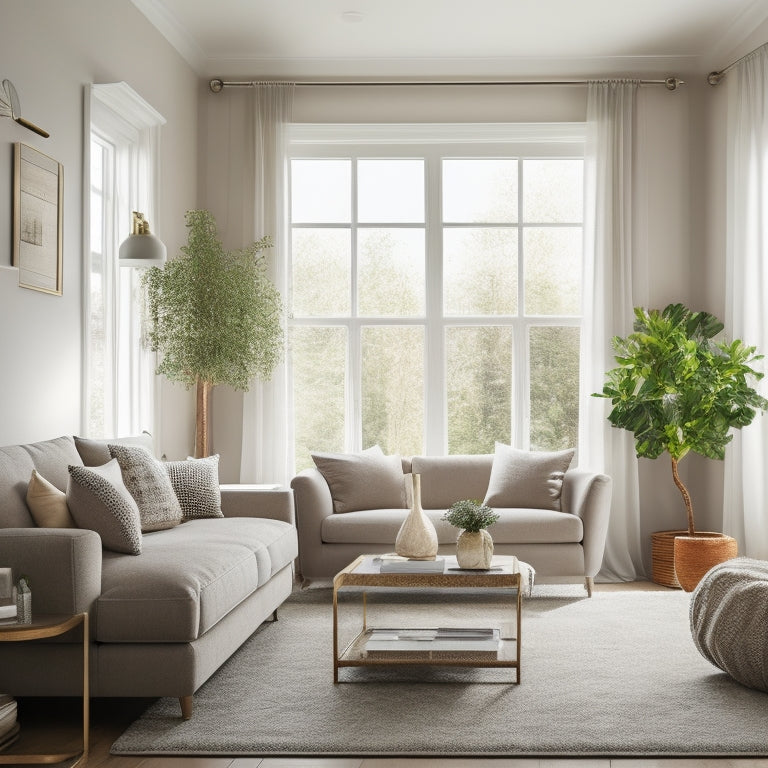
[266,442]
[609,299]
[745,502]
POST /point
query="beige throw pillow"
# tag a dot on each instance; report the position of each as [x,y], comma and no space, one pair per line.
[47,504]
[95,453]
[367,480]
[527,479]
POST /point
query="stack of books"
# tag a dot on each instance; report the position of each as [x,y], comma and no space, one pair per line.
[435,642]
[396,564]
[9,726]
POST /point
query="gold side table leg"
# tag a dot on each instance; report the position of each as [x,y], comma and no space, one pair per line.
[335,635]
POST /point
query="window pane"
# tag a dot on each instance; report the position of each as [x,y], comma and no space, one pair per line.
[479,388]
[480,271]
[319,365]
[480,190]
[321,272]
[390,191]
[390,272]
[554,355]
[552,270]
[393,388]
[553,191]
[321,191]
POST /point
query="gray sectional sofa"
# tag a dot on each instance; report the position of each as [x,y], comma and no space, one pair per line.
[556,521]
[162,621]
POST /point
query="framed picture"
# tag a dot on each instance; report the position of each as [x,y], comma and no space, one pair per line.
[37,216]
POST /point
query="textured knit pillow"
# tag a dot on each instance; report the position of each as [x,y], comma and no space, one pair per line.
[47,504]
[148,482]
[527,479]
[367,480]
[196,485]
[99,501]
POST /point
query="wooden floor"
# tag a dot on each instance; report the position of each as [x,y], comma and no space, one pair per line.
[52,724]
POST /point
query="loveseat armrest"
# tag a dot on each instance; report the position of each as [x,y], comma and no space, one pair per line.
[242,500]
[63,565]
[314,503]
[588,495]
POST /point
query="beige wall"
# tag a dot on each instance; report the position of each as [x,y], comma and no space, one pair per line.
[51,51]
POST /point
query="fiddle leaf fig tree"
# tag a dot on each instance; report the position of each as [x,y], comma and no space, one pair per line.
[678,389]
[214,316]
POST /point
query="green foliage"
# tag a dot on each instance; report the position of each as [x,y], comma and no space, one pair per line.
[470,515]
[676,388]
[214,315]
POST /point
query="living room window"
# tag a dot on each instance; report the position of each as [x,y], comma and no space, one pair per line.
[436,287]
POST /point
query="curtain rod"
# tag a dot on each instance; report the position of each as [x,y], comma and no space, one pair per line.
[216,85]
[714,77]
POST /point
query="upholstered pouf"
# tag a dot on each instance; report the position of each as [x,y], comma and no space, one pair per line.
[729,619]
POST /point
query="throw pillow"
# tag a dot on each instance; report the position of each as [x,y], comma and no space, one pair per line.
[367,480]
[196,485]
[99,501]
[148,482]
[47,504]
[529,479]
[95,453]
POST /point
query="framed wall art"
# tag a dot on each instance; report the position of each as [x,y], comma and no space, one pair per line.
[37,218]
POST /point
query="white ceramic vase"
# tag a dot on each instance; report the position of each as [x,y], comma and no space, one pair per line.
[474,550]
[417,538]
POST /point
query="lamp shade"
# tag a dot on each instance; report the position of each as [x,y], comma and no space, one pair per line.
[141,248]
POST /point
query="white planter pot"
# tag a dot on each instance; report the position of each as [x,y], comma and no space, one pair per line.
[474,550]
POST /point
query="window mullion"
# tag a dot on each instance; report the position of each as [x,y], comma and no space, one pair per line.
[354,419]
[520,384]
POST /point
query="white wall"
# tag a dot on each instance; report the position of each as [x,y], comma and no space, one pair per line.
[51,50]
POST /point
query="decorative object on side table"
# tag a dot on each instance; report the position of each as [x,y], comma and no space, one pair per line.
[7,596]
[679,390]
[417,538]
[474,547]
[23,601]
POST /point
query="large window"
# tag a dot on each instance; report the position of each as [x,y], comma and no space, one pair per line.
[436,288]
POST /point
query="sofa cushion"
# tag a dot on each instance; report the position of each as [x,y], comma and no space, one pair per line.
[188,578]
[367,480]
[48,504]
[196,485]
[95,453]
[99,501]
[148,482]
[514,526]
[447,479]
[532,479]
[50,458]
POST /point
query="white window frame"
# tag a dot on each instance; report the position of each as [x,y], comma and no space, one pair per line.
[119,117]
[434,142]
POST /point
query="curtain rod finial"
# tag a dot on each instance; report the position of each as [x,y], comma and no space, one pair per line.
[714,78]
[671,83]
[216,85]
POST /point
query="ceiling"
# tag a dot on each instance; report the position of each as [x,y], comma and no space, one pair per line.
[315,39]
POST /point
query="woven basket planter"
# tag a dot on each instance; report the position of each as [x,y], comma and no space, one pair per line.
[663,558]
[695,555]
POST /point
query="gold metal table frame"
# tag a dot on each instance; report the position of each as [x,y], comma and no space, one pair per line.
[44,626]
[362,573]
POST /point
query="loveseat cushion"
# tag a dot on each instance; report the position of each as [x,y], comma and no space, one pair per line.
[188,578]
[514,526]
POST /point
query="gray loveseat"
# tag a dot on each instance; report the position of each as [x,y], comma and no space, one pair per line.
[564,542]
[161,622]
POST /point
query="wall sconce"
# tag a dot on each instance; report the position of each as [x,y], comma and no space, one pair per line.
[141,248]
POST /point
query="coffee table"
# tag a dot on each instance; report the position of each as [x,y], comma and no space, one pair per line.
[365,575]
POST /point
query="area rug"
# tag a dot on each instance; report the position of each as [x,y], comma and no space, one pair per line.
[614,675]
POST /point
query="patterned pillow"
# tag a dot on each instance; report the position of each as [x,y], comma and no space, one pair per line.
[196,484]
[148,483]
[99,501]
[47,503]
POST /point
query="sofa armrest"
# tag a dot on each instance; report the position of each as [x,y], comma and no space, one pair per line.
[588,495]
[313,504]
[63,565]
[241,500]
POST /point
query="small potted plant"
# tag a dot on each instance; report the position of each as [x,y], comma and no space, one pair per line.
[474,547]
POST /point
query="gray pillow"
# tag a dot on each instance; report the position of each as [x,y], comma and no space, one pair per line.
[148,482]
[95,453]
[367,480]
[196,485]
[527,479]
[99,501]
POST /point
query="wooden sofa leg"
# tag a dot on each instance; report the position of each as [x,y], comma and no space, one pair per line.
[186,707]
[589,583]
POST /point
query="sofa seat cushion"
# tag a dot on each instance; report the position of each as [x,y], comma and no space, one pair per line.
[188,578]
[514,526]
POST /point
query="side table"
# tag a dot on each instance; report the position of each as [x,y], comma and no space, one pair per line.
[44,626]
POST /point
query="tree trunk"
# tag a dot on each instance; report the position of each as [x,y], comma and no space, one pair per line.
[202,420]
[686,497]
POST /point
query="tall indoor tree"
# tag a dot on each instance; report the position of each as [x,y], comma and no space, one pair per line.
[214,317]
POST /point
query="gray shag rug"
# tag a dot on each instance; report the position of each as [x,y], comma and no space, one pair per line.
[614,675]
